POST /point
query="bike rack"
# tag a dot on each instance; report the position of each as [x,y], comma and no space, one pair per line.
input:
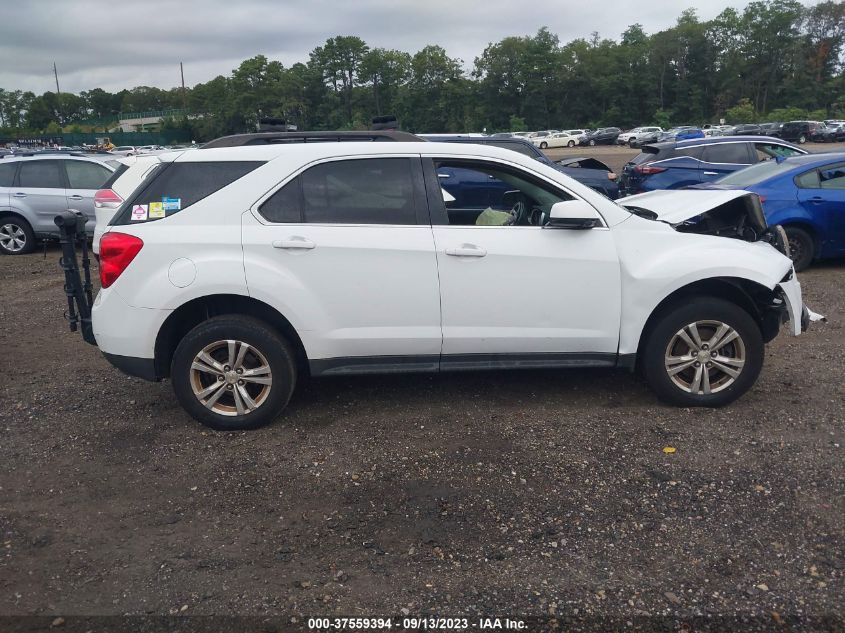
[78,289]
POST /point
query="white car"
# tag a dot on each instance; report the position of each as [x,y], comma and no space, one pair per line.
[125,150]
[232,271]
[633,135]
[567,138]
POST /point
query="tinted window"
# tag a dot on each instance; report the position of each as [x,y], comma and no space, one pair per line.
[179,185]
[808,180]
[692,152]
[7,174]
[82,175]
[40,173]
[365,191]
[833,177]
[284,205]
[736,153]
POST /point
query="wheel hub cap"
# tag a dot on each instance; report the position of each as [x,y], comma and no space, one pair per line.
[705,357]
[231,377]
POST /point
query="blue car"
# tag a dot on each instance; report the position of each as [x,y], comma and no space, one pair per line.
[804,194]
[681,133]
[678,164]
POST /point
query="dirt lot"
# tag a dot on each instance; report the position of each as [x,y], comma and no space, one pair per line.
[523,494]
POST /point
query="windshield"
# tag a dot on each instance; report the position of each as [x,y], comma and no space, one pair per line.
[755,174]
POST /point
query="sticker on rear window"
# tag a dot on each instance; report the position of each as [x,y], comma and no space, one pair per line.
[172,204]
[139,212]
[156,210]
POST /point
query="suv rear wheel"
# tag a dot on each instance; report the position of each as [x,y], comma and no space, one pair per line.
[16,236]
[706,352]
[233,373]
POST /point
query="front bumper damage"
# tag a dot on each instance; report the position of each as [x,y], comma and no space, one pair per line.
[799,315]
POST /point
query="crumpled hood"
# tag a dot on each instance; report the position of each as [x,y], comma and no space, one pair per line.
[676,205]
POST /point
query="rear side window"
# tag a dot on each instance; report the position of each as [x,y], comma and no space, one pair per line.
[363,191]
[42,174]
[82,175]
[832,177]
[7,174]
[808,180]
[692,152]
[731,153]
[179,185]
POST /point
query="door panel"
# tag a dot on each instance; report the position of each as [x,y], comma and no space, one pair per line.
[824,201]
[527,290]
[39,193]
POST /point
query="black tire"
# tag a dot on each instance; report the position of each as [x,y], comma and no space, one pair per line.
[259,336]
[571,144]
[12,224]
[802,247]
[543,145]
[706,311]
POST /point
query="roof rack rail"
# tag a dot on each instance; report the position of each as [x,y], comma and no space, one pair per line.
[322,136]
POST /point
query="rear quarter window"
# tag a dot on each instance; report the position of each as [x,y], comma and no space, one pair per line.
[176,186]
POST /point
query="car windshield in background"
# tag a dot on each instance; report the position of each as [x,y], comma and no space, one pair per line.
[755,174]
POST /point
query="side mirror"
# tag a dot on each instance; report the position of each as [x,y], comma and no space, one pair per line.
[573,214]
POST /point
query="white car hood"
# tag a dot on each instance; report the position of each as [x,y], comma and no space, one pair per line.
[676,205]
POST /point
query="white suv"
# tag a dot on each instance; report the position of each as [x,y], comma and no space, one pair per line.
[232,271]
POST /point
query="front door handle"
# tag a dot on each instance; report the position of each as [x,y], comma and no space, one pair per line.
[711,173]
[466,250]
[19,195]
[75,196]
[295,243]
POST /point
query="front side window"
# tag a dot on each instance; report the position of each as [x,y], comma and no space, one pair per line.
[766,151]
[489,194]
[832,177]
[361,191]
[82,175]
[41,174]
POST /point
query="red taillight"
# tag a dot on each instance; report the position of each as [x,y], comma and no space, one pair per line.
[648,170]
[117,250]
[107,199]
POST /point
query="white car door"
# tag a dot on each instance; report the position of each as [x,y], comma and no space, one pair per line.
[524,295]
[345,251]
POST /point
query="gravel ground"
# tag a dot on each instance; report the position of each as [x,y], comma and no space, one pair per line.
[533,494]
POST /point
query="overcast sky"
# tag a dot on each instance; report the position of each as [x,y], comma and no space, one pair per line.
[119,44]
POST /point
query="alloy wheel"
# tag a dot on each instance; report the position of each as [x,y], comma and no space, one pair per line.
[705,357]
[231,377]
[12,237]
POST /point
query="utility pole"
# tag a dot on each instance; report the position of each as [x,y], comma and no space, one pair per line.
[56,74]
[184,96]
[58,92]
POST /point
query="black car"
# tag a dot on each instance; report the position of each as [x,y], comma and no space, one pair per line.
[601,136]
[745,129]
[799,131]
[771,129]
[588,171]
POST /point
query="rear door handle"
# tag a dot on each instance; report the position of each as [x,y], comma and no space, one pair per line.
[711,173]
[466,250]
[295,243]
[19,195]
[75,197]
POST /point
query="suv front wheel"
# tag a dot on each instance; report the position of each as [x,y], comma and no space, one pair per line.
[233,373]
[16,236]
[707,352]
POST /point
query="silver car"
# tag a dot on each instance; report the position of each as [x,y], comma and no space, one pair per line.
[34,189]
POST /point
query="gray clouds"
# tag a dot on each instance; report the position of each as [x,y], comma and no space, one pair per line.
[115,45]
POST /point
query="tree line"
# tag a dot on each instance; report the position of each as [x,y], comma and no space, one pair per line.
[775,60]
